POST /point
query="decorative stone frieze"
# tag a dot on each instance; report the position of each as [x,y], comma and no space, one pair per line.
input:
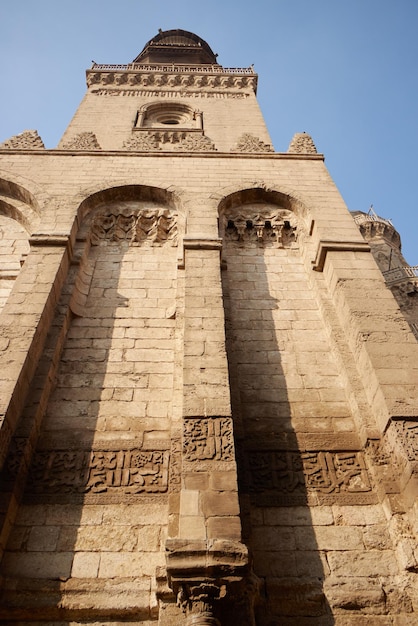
[286,477]
[269,225]
[169,94]
[82,141]
[184,141]
[151,227]
[249,143]
[184,79]
[117,472]
[28,140]
[208,438]
[302,143]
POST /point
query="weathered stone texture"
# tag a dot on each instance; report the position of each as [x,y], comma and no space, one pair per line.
[208,387]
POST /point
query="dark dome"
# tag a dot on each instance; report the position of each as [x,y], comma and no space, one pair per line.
[176,46]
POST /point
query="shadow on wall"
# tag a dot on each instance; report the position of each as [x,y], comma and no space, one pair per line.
[262,273]
[95,502]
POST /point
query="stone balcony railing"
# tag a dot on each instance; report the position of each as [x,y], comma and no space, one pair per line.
[171,67]
[401,273]
[362,218]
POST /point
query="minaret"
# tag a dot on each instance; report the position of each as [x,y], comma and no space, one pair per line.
[401,278]
[209,399]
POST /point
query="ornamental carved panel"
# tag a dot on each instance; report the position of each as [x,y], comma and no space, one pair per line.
[207,439]
[286,476]
[262,225]
[146,226]
[108,472]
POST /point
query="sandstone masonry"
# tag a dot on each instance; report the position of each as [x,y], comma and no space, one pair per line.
[208,368]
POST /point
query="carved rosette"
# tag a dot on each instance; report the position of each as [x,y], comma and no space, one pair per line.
[148,226]
[28,140]
[302,143]
[266,226]
[249,143]
[82,141]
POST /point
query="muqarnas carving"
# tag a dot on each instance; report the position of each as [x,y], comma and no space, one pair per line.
[208,438]
[259,225]
[120,472]
[147,226]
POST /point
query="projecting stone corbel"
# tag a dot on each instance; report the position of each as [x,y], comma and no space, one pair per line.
[197,242]
[336,246]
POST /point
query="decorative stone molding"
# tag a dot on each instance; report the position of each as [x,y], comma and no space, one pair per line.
[269,225]
[286,477]
[28,140]
[239,95]
[182,78]
[325,246]
[302,143]
[148,226]
[82,141]
[183,140]
[208,438]
[249,143]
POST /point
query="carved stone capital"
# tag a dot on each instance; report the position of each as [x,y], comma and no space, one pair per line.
[197,602]
[202,573]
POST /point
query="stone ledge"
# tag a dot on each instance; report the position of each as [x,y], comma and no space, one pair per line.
[325,246]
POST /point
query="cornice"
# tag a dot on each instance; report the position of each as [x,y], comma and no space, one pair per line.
[184,77]
[161,153]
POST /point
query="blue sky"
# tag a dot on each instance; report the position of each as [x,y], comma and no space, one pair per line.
[343,71]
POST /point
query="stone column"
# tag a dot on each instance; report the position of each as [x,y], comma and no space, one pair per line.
[207,560]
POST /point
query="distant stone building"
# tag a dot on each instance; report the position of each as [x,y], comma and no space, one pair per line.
[209,373]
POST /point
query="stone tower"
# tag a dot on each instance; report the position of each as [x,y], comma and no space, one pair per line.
[209,395]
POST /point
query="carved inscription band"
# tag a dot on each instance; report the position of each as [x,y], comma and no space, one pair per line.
[290,474]
[208,438]
[110,472]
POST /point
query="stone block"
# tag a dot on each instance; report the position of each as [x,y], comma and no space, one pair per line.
[219,503]
[85,565]
[37,565]
[353,563]
[328,538]
[224,528]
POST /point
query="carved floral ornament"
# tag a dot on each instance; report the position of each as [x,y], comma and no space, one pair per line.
[259,224]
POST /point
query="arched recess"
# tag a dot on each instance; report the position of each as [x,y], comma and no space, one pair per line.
[279,354]
[105,438]
[19,218]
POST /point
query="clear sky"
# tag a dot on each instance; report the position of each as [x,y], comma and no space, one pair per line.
[345,71]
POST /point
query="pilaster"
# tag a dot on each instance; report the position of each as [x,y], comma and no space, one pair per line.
[206,561]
